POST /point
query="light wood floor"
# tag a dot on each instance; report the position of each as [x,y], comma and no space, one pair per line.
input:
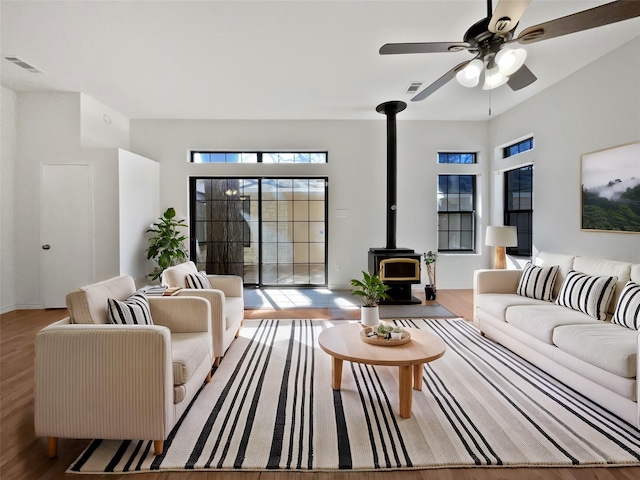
[24,455]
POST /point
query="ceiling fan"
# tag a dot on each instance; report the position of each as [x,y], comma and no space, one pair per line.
[490,41]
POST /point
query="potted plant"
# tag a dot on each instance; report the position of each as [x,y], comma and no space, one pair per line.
[430,265]
[166,245]
[371,289]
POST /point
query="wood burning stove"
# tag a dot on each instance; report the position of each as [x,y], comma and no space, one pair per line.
[399,268]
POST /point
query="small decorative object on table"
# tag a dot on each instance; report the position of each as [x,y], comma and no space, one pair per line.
[385,335]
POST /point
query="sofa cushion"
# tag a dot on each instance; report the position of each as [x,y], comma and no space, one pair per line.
[537,282]
[564,261]
[587,294]
[89,304]
[496,304]
[189,351]
[627,311]
[539,321]
[605,345]
[176,276]
[133,311]
[197,280]
[599,267]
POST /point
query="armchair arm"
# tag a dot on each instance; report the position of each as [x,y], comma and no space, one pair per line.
[231,285]
[181,315]
[496,281]
[103,381]
[216,298]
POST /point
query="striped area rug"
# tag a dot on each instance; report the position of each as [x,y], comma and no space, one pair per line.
[270,406]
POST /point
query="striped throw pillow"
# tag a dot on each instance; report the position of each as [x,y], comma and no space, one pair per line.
[133,311]
[627,311]
[587,294]
[198,280]
[537,282]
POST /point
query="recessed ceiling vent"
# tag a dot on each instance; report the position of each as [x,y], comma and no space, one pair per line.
[413,87]
[22,64]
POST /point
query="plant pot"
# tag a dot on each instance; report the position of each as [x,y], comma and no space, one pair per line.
[429,293]
[369,316]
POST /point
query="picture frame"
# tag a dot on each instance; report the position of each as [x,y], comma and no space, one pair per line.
[610,190]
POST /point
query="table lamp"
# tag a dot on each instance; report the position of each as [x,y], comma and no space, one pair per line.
[500,238]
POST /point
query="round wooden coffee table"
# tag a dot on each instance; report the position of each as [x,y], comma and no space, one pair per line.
[343,342]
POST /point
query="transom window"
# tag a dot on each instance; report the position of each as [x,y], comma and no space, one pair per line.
[456,212]
[517,148]
[258,157]
[457,157]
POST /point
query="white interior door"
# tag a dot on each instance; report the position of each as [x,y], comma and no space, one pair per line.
[66,231]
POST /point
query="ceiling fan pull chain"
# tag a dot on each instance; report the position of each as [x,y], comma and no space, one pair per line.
[489,102]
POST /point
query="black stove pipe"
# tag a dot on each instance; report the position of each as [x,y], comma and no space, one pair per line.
[390,109]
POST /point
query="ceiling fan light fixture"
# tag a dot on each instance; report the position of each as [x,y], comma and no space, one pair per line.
[493,78]
[469,76]
[509,60]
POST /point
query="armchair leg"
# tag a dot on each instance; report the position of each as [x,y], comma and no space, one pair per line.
[158,445]
[208,379]
[52,447]
[216,362]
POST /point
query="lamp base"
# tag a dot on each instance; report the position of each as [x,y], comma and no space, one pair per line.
[500,258]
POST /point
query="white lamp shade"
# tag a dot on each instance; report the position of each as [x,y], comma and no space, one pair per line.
[509,60]
[469,76]
[501,237]
[493,78]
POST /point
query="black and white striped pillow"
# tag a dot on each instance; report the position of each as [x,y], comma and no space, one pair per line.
[198,280]
[133,311]
[587,294]
[627,311]
[537,282]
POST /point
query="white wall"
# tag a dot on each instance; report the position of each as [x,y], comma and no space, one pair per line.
[7,178]
[49,130]
[356,171]
[139,200]
[102,126]
[596,108]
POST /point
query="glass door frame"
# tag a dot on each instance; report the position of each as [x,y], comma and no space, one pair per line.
[260,179]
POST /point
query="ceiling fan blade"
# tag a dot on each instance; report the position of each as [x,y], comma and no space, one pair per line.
[594,17]
[523,77]
[422,47]
[507,15]
[440,82]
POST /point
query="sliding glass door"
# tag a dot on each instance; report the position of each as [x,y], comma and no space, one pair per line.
[270,231]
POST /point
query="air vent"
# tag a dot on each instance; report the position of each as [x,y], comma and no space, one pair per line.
[22,64]
[414,87]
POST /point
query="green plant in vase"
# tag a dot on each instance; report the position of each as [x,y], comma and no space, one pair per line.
[430,259]
[166,244]
[371,289]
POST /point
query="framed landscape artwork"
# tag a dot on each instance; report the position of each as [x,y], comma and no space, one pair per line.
[610,200]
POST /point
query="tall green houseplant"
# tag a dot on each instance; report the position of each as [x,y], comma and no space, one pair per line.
[166,244]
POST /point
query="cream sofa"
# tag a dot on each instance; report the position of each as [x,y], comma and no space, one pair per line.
[226,298]
[99,380]
[597,358]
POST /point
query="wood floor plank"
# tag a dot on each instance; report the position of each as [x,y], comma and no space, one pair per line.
[24,457]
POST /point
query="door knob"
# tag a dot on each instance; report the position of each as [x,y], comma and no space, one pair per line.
[46,247]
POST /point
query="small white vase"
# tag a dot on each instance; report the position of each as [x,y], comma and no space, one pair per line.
[369,316]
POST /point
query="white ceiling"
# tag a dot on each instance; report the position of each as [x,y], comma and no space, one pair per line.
[268,59]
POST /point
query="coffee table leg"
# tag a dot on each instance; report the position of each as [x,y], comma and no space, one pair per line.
[336,373]
[417,376]
[405,391]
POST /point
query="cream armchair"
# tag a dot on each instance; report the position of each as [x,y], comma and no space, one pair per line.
[98,380]
[226,299]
